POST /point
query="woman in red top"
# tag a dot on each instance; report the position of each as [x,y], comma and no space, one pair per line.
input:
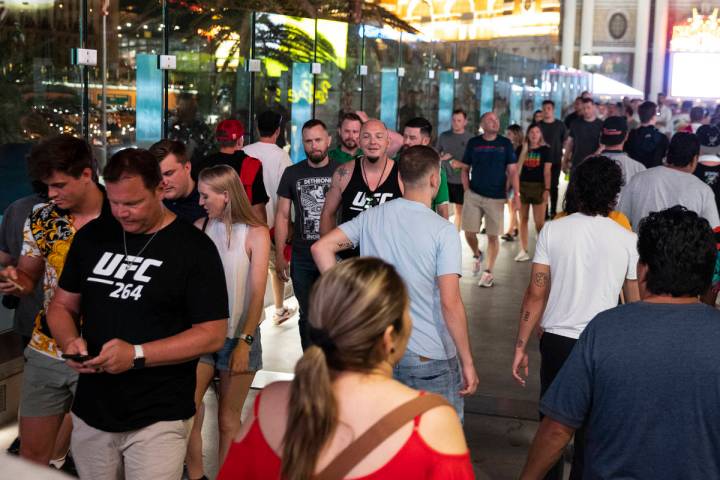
[343,385]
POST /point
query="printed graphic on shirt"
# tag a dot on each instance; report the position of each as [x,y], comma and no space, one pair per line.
[711,178]
[127,275]
[311,192]
[533,159]
[362,202]
[48,234]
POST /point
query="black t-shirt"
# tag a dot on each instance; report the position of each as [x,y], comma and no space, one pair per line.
[187,208]
[586,139]
[306,187]
[533,169]
[177,281]
[571,117]
[710,174]
[554,135]
[647,145]
[248,168]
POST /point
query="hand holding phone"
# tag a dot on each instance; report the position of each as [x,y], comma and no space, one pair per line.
[76,357]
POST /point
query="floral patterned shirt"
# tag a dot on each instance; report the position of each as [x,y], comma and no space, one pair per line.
[48,233]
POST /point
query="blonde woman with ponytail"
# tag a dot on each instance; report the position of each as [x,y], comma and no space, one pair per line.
[243,242]
[322,425]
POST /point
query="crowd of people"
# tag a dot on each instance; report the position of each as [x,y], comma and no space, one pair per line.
[135,292]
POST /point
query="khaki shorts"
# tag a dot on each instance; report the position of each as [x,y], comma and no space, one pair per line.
[48,386]
[531,193]
[478,207]
[155,452]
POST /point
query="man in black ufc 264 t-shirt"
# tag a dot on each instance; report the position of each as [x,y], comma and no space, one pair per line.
[150,290]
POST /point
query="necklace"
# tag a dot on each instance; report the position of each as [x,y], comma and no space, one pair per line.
[126,259]
[379,180]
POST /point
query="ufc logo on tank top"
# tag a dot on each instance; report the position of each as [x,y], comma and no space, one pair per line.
[362,202]
[127,275]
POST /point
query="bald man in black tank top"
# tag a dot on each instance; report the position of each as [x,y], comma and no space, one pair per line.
[366,182]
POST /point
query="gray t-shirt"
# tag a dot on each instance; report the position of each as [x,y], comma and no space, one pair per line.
[422,246]
[644,379]
[628,166]
[11,242]
[663,187]
[454,144]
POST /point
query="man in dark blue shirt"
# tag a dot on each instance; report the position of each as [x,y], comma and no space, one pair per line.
[644,378]
[490,162]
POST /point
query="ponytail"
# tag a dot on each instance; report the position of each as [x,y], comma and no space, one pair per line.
[312,416]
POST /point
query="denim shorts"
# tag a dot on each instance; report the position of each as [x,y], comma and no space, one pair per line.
[436,376]
[221,359]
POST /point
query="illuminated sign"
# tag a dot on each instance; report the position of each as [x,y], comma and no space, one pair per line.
[700,33]
[454,20]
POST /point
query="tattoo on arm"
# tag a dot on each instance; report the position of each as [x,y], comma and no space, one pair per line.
[520,343]
[541,279]
[525,316]
[342,172]
[345,245]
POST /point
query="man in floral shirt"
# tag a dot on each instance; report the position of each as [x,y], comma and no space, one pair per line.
[66,166]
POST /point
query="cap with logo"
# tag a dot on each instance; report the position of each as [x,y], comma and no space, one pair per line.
[229,130]
[614,130]
[709,137]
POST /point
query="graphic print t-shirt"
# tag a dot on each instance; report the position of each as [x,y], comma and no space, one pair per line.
[533,169]
[176,282]
[306,187]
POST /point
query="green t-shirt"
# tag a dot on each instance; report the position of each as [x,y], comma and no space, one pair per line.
[443,195]
[339,156]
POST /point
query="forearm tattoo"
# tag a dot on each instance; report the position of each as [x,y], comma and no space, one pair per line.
[520,343]
[541,279]
[345,245]
[525,316]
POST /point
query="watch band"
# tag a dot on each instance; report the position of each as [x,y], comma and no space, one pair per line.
[139,358]
[249,339]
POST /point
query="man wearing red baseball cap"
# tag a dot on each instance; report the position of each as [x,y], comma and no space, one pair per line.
[229,135]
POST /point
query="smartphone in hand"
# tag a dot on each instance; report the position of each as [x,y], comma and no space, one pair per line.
[76,357]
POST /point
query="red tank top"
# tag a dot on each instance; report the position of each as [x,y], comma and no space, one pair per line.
[252,458]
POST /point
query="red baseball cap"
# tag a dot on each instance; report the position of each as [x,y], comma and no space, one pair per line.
[229,130]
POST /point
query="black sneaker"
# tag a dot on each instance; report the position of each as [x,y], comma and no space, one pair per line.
[483,231]
[14,448]
[507,237]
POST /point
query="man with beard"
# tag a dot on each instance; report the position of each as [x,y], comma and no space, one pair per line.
[366,182]
[304,185]
[349,135]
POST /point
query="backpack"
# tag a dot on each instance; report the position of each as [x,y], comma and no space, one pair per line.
[647,145]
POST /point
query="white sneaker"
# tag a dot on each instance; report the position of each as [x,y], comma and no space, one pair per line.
[486,280]
[522,256]
[283,315]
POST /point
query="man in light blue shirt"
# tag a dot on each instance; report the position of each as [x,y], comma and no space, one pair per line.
[425,249]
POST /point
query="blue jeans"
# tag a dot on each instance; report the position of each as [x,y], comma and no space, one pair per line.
[436,376]
[303,274]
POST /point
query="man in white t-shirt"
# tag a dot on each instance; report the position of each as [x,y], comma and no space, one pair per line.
[274,161]
[662,187]
[582,263]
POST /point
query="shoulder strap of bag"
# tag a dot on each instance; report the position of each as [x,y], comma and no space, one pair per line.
[379,432]
[205,223]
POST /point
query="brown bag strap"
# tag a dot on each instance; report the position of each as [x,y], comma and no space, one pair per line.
[375,435]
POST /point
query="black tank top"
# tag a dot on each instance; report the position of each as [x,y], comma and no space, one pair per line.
[358,197]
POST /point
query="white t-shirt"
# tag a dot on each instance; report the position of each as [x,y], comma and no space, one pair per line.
[274,161]
[663,187]
[589,259]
